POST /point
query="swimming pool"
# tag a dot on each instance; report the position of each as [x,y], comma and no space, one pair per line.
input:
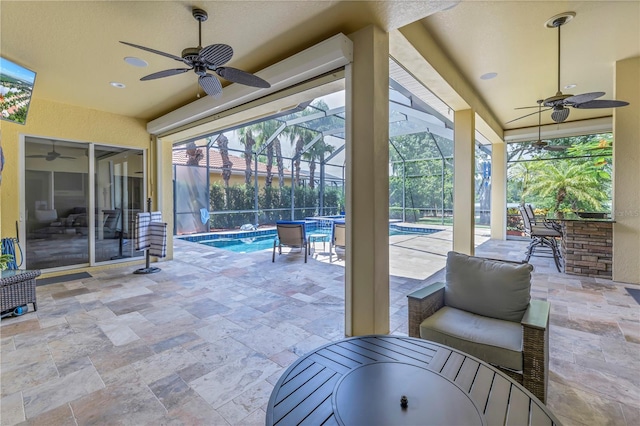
[250,242]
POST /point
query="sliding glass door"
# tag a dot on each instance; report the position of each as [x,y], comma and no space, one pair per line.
[73,217]
[119,196]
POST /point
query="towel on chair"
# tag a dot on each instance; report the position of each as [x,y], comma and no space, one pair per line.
[158,239]
[141,231]
[156,216]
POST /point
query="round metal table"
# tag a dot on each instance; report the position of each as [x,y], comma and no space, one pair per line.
[361,381]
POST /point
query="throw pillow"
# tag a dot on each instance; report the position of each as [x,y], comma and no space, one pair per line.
[486,287]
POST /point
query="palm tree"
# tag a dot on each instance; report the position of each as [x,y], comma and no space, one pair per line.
[223,145]
[246,138]
[262,132]
[301,137]
[316,152]
[568,182]
[519,177]
[277,148]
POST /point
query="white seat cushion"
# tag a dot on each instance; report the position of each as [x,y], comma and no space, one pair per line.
[495,341]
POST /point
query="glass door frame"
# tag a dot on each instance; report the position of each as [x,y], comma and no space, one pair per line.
[21,225]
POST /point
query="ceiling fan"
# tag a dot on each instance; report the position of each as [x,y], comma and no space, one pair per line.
[560,101]
[52,155]
[202,59]
[540,144]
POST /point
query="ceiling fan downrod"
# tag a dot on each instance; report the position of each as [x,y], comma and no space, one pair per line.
[558,23]
[200,16]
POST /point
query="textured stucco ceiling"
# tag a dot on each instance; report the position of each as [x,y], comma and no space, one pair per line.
[73,45]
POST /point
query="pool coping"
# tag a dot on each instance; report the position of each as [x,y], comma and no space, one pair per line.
[310,226]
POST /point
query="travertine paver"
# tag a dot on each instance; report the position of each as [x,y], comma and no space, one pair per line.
[203,341]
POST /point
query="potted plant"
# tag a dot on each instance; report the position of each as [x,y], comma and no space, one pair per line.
[514,231]
[5,259]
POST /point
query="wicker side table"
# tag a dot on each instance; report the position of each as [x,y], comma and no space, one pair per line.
[18,287]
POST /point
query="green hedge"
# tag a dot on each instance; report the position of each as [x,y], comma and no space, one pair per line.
[241,197]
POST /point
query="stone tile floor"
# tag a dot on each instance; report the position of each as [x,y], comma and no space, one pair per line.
[203,341]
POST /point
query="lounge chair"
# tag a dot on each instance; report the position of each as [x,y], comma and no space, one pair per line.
[290,234]
[338,237]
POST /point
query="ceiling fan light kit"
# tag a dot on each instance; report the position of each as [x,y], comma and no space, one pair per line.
[203,59]
[560,101]
[540,144]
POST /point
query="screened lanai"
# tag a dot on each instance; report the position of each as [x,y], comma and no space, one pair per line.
[291,165]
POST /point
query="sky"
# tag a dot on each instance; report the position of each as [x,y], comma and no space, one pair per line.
[9,68]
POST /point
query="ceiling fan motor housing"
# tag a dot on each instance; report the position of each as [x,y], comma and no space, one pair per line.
[190,54]
[555,100]
[201,70]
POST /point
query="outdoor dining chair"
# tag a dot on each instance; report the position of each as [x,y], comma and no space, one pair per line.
[542,237]
[290,234]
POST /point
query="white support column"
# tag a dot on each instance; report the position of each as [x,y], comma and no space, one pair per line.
[498,191]
[463,181]
[626,173]
[367,196]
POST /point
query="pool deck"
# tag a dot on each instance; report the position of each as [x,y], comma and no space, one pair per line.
[412,256]
[203,341]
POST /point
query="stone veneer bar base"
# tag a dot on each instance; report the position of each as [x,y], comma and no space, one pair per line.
[587,248]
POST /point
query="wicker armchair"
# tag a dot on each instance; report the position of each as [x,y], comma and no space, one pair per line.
[17,288]
[474,311]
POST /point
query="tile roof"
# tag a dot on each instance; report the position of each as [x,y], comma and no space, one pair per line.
[215,162]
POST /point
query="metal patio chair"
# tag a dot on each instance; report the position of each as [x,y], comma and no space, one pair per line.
[542,237]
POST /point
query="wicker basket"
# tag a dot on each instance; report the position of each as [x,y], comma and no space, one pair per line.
[18,288]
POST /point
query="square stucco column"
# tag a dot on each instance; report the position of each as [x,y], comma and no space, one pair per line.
[367,192]
[626,173]
[498,191]
[464,136]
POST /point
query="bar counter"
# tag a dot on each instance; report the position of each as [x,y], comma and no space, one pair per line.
[587,246]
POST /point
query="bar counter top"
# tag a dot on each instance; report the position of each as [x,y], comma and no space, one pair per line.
[575,217]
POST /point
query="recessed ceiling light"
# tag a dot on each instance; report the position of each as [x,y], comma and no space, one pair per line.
[570,86]
[488,76]
[117,85]
[136,62]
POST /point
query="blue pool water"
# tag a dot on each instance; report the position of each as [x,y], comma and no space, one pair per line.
[264,240]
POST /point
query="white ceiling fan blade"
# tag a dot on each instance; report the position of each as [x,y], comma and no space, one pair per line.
[601,103]
[555,148]
[585,97]
[165,73]
[528,115]
[242,77]
[216,54]
[211,85]
[157,52]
